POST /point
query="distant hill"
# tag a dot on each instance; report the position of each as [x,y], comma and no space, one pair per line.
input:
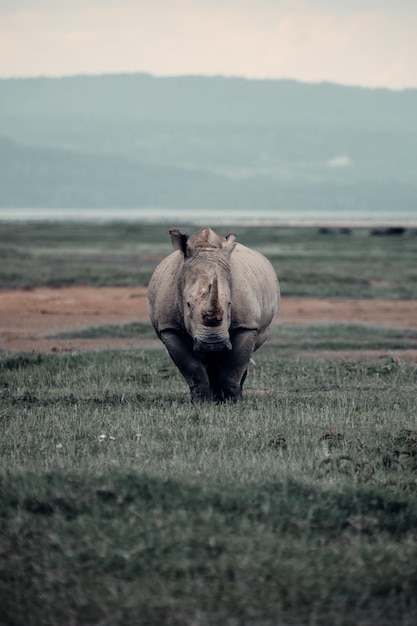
[138,140]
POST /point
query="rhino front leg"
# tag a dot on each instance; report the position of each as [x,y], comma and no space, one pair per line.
[180,349]
[234,368]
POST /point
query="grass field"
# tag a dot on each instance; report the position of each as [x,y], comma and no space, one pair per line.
[308,262]
[122,504]
[285,337]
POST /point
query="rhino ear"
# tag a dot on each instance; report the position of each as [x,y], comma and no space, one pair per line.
[179,241]
[229,244]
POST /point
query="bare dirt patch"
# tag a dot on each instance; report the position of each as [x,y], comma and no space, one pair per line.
[28,318]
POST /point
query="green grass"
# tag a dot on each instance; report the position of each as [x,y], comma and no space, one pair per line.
[287,338]
[134,330]
[122,503]
[307,262]
[326,336]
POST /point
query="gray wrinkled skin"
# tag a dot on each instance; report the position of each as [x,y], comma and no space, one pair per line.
[212,302]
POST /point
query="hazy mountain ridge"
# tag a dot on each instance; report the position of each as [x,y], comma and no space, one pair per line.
[196,99]
[137,140]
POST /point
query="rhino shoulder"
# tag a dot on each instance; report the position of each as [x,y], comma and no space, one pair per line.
[255,288]
[253,269]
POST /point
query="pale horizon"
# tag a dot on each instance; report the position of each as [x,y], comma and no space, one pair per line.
[222,76]
[369,44]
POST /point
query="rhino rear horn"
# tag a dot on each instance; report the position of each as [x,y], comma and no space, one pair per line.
[230,243]
[179,241]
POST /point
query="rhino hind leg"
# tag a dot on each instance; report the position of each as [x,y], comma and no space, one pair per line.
[222,387]
[234,369]
[212,369]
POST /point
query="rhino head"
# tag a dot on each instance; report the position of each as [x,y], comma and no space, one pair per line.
[205,288]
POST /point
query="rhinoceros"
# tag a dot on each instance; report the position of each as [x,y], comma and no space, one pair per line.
[211,303]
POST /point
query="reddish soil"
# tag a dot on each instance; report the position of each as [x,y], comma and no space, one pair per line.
[28,318]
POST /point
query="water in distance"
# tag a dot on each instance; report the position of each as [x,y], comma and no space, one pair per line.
[216,216]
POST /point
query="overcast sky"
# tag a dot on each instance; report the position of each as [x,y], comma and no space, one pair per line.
[357,42]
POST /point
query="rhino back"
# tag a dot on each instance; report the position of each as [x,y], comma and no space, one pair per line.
[255,289]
